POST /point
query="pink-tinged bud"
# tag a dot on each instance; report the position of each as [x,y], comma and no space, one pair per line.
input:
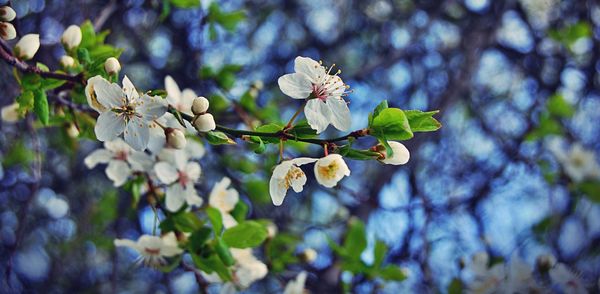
[175,138]
[205,123]
[27,47]
[112,66]
[7,13]
[71,37]
[7,31]
[200,105]
[67,61]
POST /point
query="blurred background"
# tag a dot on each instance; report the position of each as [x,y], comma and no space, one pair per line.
[486,181]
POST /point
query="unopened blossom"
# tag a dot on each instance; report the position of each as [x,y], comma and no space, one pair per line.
[122,160]
[112,66]
[7,13]
[71,37]
[67,61]
[296,286]
[179,174]
[566,280]
[175,138]
[285,175]
[126,113]
[309,255]
[27,46]
[577,162]
[330,169]
[7,31]
[324,90]
[222,197]
[90,93]
[200,105]
[73,131]
[153,249]
[205,123]
[10,113]
[400,155]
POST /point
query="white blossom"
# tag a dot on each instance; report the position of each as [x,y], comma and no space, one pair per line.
[179,174]
[10,113]
[222,197]
[296,286]
[152,249]
[248,268]
[7,31]
[181,101]
[90,93]
[112,66]
[325,91]
[126,113]
[175,138]
[67,61]
[400,155]
[578,163]
[27,46]
[330,169]
[71,37]
[122,160]
[285,175]
[7,13]
[566,280]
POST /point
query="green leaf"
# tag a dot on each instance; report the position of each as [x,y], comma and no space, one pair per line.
[31,82]
[420,121]
[187,222]
[356,239]
[223,252]
[258,190]
[558,106]
[218,138]
[212,263]
[379,253]
[361,154]
[40,106]
[198,238]
[245,235]
[240,211]
[383,105]
[25,101]
[547,126]
[185,3]
[391,124]
[88,35]
[214,215]
[455,286]
[172,265]
[392,273]
[50,84]
[258,145]
[389,152]
[303,130]
[591,190]
[270,128]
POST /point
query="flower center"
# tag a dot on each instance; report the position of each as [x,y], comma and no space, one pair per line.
[152,251]
[329,86]
[183,178]
[329,171]
[292,175]
[121,155]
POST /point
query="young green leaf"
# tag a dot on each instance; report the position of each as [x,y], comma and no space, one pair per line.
[420,121]
[245,235]
[391,124]
[40,106]
[214,215]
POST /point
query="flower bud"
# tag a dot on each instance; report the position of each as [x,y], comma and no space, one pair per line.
[400,155]
[112,66]
[204,123]
[271,230]
[67,61]
[7,13]
[7,31]
[71,37]
[308,255]
[27,47]
[175,138]
[10,113]
[200,105]
[73,131]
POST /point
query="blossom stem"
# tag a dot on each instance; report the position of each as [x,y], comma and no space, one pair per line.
[291,121]
[280,150]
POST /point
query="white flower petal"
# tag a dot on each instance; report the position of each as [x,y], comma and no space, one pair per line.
[140,161]
[109,125]
[340,114]
[299,180]
[194,149]
[401,154]
[191,196]
[98,156]
[128,243]
[193,170]
[277,190]
[330,169]
[92,96]
[137,134]
[129,89]
[108,94]
[173,92]
[175,197]
[152,107]
[303,160]
[222,197]
[295,85]
[166,172]
[312,69]
[118,171]
[317,114]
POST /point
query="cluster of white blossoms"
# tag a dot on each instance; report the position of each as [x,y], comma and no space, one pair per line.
[325,105]
[577,162]
[516,276]
[153,249]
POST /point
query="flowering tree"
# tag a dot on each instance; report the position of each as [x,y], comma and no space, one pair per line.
[180,156]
